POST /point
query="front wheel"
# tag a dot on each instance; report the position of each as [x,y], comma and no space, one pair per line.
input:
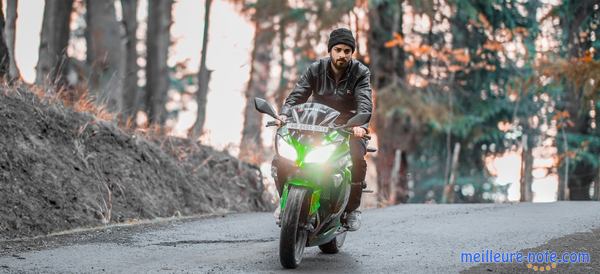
[293,234]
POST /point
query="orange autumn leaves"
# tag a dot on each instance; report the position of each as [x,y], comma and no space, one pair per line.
[397,41]
[447,56]
[453,59]
[563,118]
[581,72]
[459,59]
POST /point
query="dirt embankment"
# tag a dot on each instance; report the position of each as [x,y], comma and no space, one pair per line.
[61,169]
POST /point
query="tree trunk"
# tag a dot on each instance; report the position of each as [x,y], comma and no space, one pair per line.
[580,181]
[395,176]
[577,176]
[54,39]
[130,85]
[449,140]
[251,141]
[281,91]
[105,53]
[10,34]
[157,74]
[526,169]
[385,19]
[4,55]
[529,173]
[449,189]
[398,192]
[564,179]
[203,78]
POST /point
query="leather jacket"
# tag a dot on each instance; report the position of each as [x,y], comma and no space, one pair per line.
[351,95]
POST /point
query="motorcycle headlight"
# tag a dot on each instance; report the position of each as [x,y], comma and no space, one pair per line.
[320,154]
[286,150]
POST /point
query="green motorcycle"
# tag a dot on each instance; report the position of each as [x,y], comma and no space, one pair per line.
[317,187]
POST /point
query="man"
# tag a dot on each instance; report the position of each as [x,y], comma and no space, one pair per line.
[343,84]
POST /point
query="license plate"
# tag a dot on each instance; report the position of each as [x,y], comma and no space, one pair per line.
[307,127]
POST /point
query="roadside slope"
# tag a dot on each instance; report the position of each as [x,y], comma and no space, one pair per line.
[61,169]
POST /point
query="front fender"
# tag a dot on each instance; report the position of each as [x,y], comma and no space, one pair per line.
[314,189]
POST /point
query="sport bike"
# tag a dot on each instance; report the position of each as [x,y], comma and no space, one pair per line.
[316,155]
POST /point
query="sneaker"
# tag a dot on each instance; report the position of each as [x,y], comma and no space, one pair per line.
[353,220]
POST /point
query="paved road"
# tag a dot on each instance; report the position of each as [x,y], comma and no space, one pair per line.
[407,239]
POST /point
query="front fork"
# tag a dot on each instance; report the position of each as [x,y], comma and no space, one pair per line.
[315,196]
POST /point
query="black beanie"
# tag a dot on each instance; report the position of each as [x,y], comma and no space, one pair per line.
[341,36]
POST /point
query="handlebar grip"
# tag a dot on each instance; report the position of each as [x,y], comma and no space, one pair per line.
[271,123]
[366,136]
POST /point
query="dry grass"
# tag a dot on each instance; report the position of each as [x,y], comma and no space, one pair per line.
[85,103]
[152,131]
[129,123]
[79,100]
[104,210]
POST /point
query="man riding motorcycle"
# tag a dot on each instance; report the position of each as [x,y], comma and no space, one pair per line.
[342,83]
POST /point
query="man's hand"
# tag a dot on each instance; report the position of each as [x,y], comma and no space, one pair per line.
[279,121]
[359,132]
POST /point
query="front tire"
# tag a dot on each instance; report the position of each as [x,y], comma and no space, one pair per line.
[293,237]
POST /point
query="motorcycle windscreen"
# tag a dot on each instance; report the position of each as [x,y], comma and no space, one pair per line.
[312,114]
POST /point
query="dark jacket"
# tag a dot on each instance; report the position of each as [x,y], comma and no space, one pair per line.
[350,96]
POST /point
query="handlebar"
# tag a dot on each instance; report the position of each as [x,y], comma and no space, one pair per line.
[366,136]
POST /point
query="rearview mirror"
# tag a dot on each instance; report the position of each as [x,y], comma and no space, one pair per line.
[264,107]
[359,119]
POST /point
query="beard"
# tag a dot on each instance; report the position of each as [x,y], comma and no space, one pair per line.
[340,64]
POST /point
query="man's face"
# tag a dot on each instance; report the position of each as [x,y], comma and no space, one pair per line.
[341,55]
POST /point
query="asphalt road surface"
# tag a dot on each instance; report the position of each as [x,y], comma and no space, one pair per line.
[413,238]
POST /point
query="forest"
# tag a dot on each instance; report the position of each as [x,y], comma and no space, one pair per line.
[457,84]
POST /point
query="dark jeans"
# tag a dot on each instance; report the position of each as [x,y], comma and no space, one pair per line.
[358,149]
